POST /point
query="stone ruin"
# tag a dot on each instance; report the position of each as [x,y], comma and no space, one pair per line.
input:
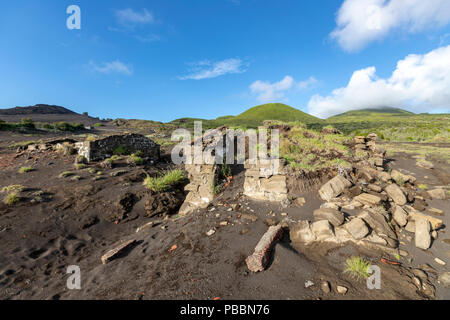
[202,177]
[266,180]
[101,149]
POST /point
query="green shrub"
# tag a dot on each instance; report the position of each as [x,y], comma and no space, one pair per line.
[48,126]
[11,199]
[26,169]
[136,160]
[80,166]
[66,174]
[27,123]
[65,126]
[97,125]
[13,188]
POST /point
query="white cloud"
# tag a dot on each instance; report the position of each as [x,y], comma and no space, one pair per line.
[307,83]
[420,83]
[130,17]
[360,22]
[272,92]
[112,67]
[206,69]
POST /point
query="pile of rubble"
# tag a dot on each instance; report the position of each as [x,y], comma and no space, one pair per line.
[384,203]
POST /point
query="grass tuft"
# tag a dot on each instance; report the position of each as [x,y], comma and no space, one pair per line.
[161,184]
[357,267]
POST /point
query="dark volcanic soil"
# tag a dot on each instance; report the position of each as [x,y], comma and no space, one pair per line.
[76,222]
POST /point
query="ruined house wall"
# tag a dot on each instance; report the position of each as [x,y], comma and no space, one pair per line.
[104,148]
[266,181]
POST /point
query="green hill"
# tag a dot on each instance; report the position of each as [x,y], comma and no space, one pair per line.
[276,111]
[379,112]
[255,116]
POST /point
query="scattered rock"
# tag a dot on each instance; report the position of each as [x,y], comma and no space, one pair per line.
[357,228]
[423,237]
[436,212]
[334,188]
[302,233]
[259,259]
[341,289]
[308,284]
[400,216]
[424,164]
[368,199]
[325,286]
[437,194]
[335,217]
[444,279]
[210,232]
[249,217]
[375,187]
[300,202]
[435,222]
[439,261]
[114,253]
[396,194]
[145,226]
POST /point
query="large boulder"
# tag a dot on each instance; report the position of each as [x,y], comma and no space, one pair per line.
[423,237]
[396,194]
[335,217]
[357,228]
[334,188]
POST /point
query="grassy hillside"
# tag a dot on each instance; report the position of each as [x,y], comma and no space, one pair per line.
[393,124]
[255,116]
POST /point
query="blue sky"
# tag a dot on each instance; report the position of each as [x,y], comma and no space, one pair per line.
[163,60]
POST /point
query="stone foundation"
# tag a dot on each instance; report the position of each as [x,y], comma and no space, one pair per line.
[103,148]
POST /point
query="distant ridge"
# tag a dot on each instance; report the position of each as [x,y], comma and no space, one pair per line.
[385,111]
[36,109]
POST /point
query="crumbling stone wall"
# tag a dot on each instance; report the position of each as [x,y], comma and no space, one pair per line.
[266,181]
[366,150]
[103,148]
[202,177]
